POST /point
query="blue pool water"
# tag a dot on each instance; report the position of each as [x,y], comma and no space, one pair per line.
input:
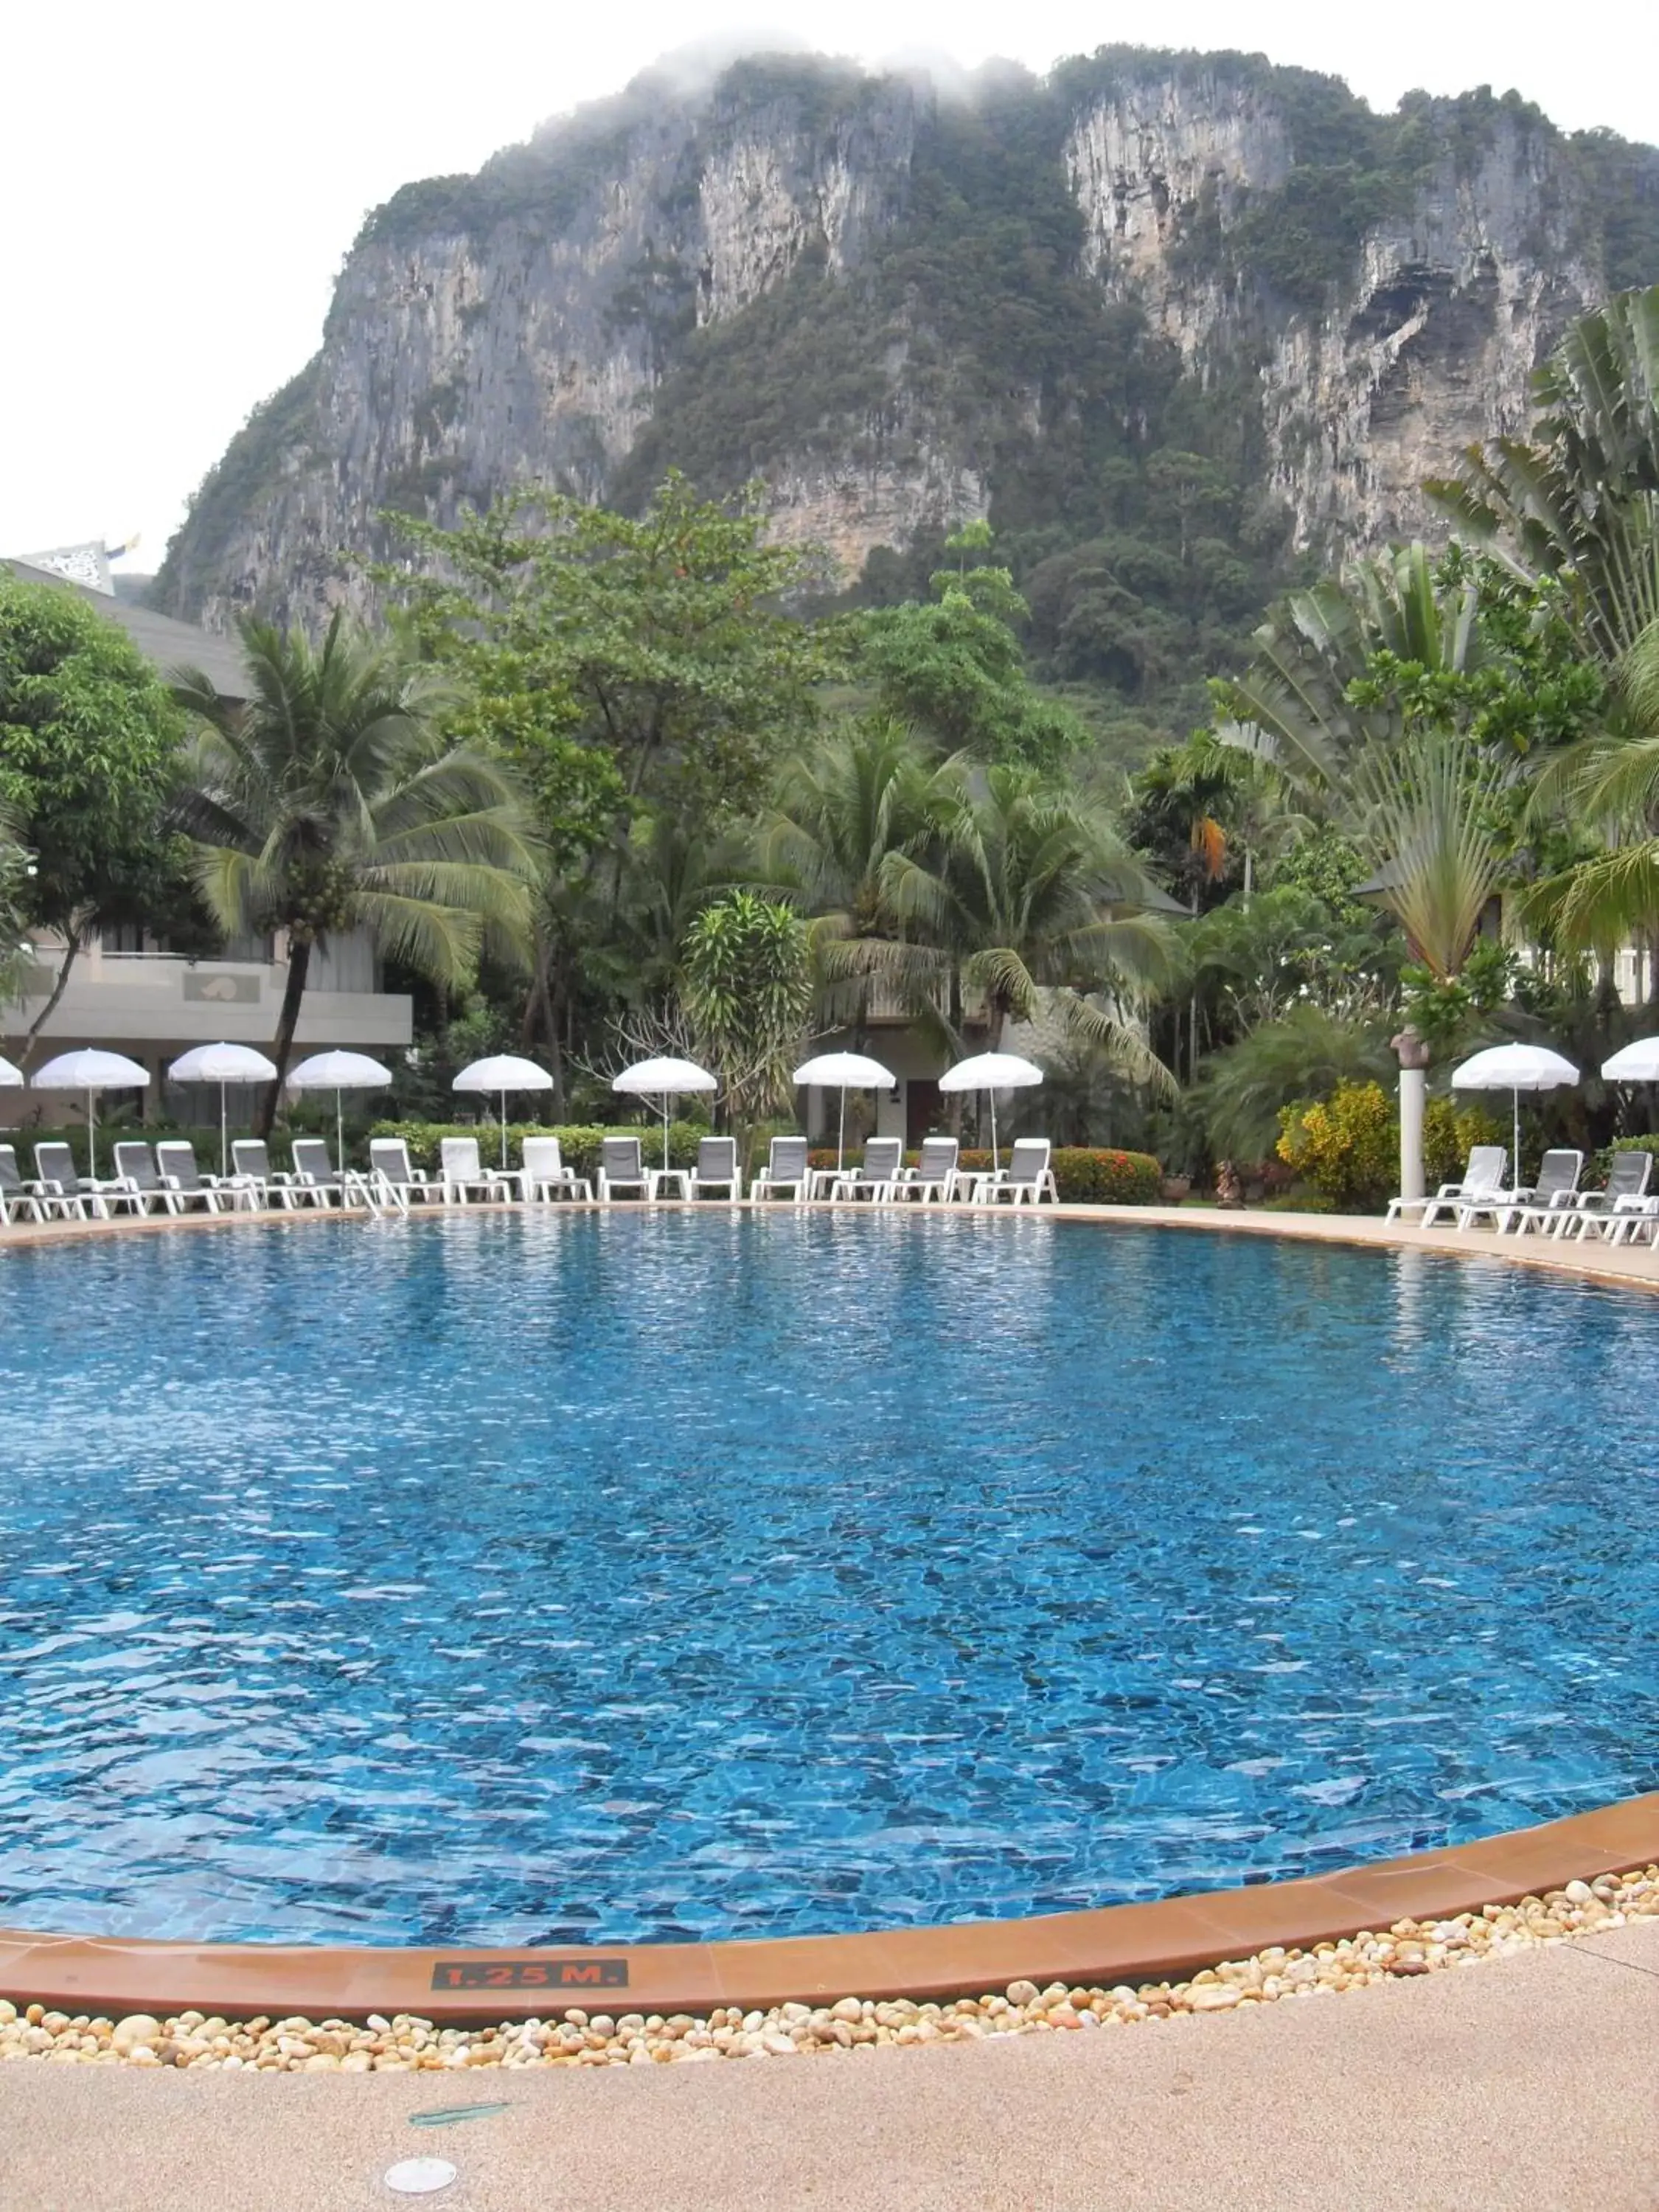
[527,1580]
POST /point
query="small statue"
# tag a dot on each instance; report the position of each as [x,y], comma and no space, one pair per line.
[1229,1191]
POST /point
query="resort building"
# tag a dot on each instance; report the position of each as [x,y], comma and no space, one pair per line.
[132,993]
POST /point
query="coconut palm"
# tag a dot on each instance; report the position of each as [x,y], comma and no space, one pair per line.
[331,800]
[1026,895]
[839,812]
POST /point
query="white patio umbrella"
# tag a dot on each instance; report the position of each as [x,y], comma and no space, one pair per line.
[666,1079]
[504,1072]
[90,1070]
[1634,1063]
[843,1072]
[1514,1068]
[222,1064]
[339,1072]
[992,1072]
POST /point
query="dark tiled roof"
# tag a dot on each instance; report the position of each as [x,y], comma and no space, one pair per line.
[169,644]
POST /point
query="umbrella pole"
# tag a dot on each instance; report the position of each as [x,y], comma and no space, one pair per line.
[1514,1164]
[339,1131]
[503,1132]
[223,1135]
[665,1102]
[840,1138]
[992,1095]
[92,1140]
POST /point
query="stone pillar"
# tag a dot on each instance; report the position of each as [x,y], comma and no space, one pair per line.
[1413,1090]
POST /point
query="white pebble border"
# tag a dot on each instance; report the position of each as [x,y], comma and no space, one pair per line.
[577,2038]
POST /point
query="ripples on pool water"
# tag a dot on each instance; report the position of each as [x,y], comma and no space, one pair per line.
[527,1579]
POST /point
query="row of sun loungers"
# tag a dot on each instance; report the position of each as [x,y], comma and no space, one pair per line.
[1623,1212]
[167,1179]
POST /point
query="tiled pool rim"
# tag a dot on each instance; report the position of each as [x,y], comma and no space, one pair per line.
[1115,1944]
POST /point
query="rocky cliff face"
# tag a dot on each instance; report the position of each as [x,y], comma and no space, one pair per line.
[1426,344]
[1371,302]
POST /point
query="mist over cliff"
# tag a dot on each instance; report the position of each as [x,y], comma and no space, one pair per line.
[1171,321]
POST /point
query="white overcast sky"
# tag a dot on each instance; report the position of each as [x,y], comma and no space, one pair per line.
[180,180]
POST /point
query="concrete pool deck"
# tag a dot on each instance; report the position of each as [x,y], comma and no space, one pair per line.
[1525,2086]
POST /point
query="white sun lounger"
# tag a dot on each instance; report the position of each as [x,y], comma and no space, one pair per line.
[1025,1179]
[176,1159]
[389,1165]
[787,1168]
[1483,1177]
[139,1185]
[1551,1196]
[544,1176]
[717,1169]
[19,1199]
[875,1173]
[934,1175]
[251,1170]
[1595,1213]
[622,1167]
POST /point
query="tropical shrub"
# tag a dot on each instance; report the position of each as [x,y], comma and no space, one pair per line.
[1088,1175]
[1347,1146]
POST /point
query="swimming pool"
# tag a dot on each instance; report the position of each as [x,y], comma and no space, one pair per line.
[659,1576]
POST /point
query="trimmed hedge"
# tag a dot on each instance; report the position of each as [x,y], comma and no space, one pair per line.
[1084,1175]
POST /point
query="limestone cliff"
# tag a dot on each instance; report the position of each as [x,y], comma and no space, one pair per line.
[902,311]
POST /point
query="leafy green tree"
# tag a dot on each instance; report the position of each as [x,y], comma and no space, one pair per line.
[1205,811]
[747,990]
[954,667]
[334,798]
[1250,964]
[641,676]
[89,748]
[16,871]
[646,661]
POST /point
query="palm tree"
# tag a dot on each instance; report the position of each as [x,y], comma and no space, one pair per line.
[331,800]
[1292,706]
[1580,499]
[1425,809]
[1610,784]
[1028,895]
[839,813]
